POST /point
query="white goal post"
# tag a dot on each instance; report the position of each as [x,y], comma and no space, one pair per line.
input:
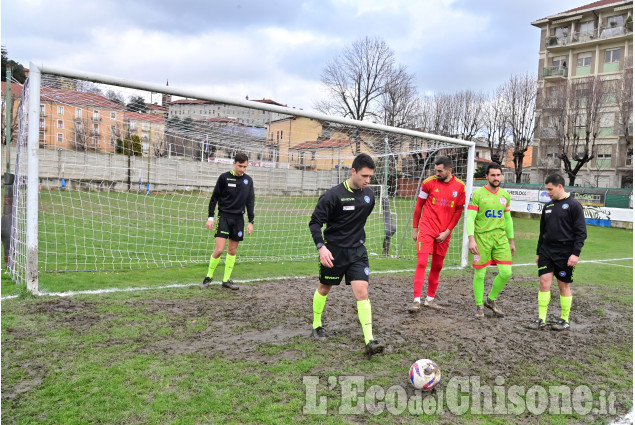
[101,187]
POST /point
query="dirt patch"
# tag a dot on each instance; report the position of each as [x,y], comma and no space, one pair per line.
[218,322]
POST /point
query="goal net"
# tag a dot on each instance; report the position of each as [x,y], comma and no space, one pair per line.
[125,171]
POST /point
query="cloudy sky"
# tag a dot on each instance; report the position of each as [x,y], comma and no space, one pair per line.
[277,48]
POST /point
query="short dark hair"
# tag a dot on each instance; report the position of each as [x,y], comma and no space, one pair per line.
[363,161]
[555,179]
[443,160]
[241,157]
[494,166]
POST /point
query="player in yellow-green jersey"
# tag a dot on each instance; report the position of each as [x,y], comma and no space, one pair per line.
[491,238]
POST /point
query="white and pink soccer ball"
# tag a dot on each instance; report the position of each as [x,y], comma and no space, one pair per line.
[425,374]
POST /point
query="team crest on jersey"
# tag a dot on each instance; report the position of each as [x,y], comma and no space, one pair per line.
[477,258]
[563,274]
[367,199]
[454,193]
[367,271]
[246,181]
[502,200]
[565,206]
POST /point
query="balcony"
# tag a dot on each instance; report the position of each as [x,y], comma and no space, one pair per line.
[96,118]
[304,165]
[549,163]
[555,72]
[565,41]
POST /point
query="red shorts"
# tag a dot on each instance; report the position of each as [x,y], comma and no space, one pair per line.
[427,245]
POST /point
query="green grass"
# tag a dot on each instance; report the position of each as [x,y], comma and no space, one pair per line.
[59,368]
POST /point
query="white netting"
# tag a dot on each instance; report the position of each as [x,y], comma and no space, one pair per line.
[126,190]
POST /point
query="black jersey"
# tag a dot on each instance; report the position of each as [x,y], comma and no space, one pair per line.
[562,224]
[344,211]
[233,194]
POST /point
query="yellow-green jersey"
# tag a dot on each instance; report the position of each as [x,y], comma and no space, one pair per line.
[491,208]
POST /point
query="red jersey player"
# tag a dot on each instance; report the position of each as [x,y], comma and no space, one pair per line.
[438,210]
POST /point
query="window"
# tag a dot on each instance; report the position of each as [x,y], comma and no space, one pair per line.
[604,156]
[559,61]
[133,126]
[615,21]
[60,110]
[612,56]
[78,112]
[313,155]
[561,31]
[96,114]
[587,27]
[146,126]
[607,122]
[113,115]
[60,137]
[41,123]
[113,129]
[42,109]
[584,59]
[60,123]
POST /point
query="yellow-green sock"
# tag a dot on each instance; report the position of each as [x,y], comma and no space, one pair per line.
[565,303]
[319,301]
[229,266]
[543,304]
[366,319]
[213,262]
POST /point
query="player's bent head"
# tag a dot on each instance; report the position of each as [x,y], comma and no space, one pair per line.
[555,179]
[241,157]
[363,161]
[445,161]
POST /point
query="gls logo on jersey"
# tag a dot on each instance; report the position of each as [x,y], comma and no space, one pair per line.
[494,213]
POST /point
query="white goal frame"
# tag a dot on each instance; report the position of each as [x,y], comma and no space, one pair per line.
[35,75]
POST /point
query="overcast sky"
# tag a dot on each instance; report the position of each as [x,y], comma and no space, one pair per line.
[277,48]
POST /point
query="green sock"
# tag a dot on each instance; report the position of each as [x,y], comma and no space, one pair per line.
[504,273]
[543,304]
[213,262]
[229,266]
[479,285]
[319,301]
[366,319]
[565,303]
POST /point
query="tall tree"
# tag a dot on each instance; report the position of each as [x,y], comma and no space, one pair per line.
[520,93]
[624,98]
[356,78]
[496,129]
[17,70]
[399,102]
[136,104]
[576,110]
[115,97]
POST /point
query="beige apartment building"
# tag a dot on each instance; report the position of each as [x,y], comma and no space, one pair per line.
[595,40]
[150,128]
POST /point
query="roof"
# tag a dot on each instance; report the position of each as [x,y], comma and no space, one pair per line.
[71,97]
[590,6]
[270,102]
[222,119]
[137,116]
[325,144]
[156,107]
[189,101]
[16,89]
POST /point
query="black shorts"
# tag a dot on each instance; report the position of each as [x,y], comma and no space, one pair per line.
[351,263]
[553,259]
[230,227]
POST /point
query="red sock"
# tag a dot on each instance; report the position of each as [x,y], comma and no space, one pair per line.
[420,273]
[435,269]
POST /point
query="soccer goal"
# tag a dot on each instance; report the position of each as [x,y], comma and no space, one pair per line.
[113,174]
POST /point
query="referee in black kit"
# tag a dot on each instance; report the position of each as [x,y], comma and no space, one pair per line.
[562,235]
[233,192]
[344,209]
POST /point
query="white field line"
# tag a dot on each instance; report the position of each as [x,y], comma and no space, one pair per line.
[185,285]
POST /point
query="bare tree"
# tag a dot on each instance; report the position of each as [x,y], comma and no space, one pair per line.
[469,106]
[356,79]
[82,134]
[575,116]
[496,128]
[519,94]
[15,103]
[400,104]
[624,99]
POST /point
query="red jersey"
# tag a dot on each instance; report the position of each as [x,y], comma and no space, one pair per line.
[443,205]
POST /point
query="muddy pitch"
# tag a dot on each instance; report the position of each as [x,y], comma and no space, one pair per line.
[275,312]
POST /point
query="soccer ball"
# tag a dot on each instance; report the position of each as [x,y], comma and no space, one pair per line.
[424,374]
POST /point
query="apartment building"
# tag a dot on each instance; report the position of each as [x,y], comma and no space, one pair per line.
[203,109]
[590,42]
[150,128]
